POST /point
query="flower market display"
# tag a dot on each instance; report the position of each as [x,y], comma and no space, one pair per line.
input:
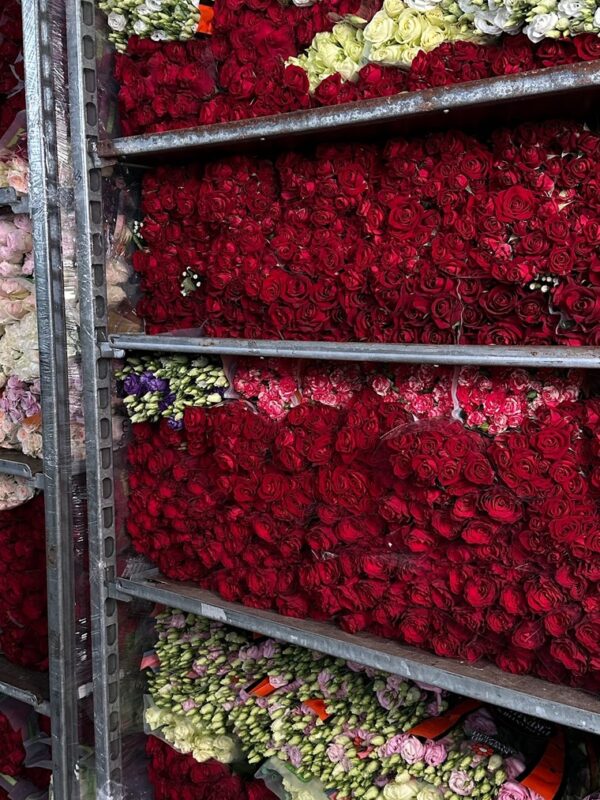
[23,603]
[175,776]
[451,509]
[448,239]
[330,728]
[25,760]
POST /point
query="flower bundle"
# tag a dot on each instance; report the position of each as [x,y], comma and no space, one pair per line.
[14,492]
[174,776]
[12,95]
[330,728]
[454,510]
[310,711]
[159,20]
[163,388]
[165,86]
[445,239]
[23,604]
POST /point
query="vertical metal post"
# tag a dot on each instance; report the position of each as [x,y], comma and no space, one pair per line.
[97,373]
[46,224]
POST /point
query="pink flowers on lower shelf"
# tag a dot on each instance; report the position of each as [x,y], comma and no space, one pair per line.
[455,510]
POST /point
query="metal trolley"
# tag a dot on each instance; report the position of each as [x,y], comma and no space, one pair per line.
[498,99]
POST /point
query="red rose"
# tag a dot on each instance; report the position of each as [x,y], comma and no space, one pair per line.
[587,46]
[516,203]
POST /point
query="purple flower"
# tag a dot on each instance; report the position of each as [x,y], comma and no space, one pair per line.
[392,746]
[150,383]
[461,783]
[294,755]
[482,722]
[336,753]
[131,384]
[514,766]
[383,696]
[175,424]
[188,705]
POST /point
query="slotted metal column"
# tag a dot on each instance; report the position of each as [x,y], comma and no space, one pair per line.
[40,26]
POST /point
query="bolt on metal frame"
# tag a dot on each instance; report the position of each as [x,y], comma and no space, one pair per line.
[99,348]
[42,22]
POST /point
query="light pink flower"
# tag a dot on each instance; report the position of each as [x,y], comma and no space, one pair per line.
[461,783]
[412,750]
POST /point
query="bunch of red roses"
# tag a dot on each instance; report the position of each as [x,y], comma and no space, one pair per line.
[17,722]
[180,777]
[443,239]
[241,74]
[422,530]
[23,602]
[167,85]
[12,95]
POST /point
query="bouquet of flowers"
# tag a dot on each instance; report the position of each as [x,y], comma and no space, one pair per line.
[452,509]
[431,241]
[340,729]
[23,602]
[12,94]
[174,775]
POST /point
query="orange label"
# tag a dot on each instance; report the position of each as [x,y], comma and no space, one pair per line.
[318,707]
[262,689]
[547,777]
[205,23]
[436,726]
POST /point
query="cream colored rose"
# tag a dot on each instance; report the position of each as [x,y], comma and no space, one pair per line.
[409,27]
[156,718]
[380,29]
[343,33]
[428,793]
[393,8]
[401,791]
[431,37]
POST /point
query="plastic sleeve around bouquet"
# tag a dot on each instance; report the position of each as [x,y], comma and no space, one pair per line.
[287,786]
[451,509]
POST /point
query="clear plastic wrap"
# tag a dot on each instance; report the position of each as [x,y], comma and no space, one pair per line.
[426,240]
[452,509]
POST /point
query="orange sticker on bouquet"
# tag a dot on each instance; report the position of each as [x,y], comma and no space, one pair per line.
[318,707]
[205,23]
[262,689]
[435,727]
[547,777]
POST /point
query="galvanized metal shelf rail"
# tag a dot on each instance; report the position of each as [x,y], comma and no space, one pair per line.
[18,203]
[26,685]
[21,466]
[573,88]
[485,682]
[488,355]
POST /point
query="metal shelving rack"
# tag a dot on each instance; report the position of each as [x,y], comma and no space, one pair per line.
[508,99]
[56,693]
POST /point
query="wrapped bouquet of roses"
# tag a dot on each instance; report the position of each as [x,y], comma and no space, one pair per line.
[424,241]
[451,509]
[23,602]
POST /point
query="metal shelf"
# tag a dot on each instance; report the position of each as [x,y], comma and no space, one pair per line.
[488,355]
[26,685]
[32,469]
[18,203]
[509,98]
[541,699]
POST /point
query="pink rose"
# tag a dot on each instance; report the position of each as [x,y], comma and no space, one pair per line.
[435,754]
[461,783]
[512,790]
[412,750]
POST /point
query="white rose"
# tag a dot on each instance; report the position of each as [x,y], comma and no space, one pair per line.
[155,718]
[139,27]
[159,36]
[540,26]
[393,7]
[428,793]
[142,10]
[571,8]
[344,33]
[423,5]
[117,22]
[485,24]
[432,36]
[409,27]
[380,29]
[348,69]
[201,753]
[401,791]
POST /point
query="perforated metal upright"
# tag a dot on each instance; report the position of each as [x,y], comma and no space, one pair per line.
[43,28]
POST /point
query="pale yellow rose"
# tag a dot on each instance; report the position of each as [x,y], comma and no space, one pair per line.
[431,37]
[428,793]
[349,69]
[401,791]
[380,29]
[393,8]
[409,27]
